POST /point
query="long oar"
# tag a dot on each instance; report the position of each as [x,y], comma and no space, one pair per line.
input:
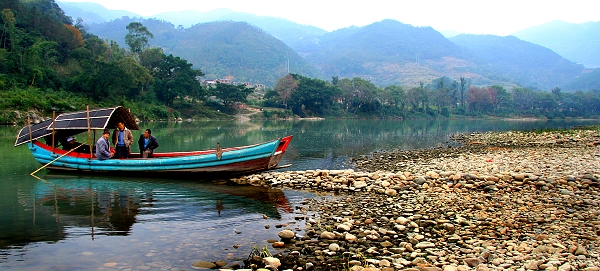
[44,166]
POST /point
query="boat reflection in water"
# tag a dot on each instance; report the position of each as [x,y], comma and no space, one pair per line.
[112,205]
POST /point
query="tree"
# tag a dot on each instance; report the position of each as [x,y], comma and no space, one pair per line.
[8,28]
[358,95]
[524,98]
[137,38]
[481,100]
[444,95]
[174,77]
[230,94]
[284,87]
[463,87]
[501,98]
[314,97]
[395,96]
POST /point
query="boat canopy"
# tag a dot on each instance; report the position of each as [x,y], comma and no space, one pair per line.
[72,123]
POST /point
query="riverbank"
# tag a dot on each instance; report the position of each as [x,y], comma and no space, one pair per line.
[513,200]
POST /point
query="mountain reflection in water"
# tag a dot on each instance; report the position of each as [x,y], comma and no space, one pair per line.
[66,206]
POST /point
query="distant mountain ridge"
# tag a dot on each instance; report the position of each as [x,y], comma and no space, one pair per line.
[518,61]
[386,52]
[577,42]
[285,30]
[92,12]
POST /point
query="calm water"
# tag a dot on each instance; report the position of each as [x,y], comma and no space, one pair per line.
[62,222]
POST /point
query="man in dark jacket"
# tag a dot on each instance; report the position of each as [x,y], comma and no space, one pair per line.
[147,144]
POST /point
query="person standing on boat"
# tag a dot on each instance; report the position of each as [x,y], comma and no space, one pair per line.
[147,143]
[122,139]
[103,150]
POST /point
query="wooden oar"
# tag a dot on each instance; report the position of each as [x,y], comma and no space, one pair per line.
[44,166]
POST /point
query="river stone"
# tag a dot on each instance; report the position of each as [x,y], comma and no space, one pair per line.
[425,245]
[387,244]
[343,227]
[402,220]
[581,251]
[203,265]
[220,263]
[272,262]
[334,247]
[360,184]
[327,235]
[286,234]
[391,192]
[473,262]
[350,237]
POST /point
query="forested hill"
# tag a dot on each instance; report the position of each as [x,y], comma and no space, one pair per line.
[517,61]
[219,49]
[383,52]
[48,64]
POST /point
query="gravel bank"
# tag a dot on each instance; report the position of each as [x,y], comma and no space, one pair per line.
[513,200]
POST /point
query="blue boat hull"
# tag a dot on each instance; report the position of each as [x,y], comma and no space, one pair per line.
[245,159]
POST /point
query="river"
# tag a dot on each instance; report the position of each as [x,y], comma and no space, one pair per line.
[69,222]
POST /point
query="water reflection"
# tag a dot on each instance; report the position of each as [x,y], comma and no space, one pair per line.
[163,224]
[63,206]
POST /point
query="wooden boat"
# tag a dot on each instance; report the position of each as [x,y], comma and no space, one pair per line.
[237,160]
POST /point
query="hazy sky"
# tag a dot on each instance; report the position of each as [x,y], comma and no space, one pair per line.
[498,17]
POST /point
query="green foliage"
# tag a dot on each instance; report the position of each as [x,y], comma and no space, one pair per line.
[313,96]
[230,94]
[138,36]
[175,78]
[274,114]
[46,65]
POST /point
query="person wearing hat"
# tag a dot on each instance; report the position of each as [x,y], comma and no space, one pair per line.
[103,150]
[70,144]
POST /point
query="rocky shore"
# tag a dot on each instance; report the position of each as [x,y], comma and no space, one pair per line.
[511,200]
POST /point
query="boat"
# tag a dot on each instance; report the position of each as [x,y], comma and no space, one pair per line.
[231,161]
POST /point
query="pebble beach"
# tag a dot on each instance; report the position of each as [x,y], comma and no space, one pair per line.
[494,201]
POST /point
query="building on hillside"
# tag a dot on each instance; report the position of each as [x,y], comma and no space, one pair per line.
[239,106]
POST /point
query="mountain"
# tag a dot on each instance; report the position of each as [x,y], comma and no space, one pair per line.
[244,51]
[577,42]
[285,30]
[218,49]
[386,52]
[92,12]
[589,80]
[520,62]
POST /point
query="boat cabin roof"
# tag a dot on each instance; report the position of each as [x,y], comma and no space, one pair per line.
[72,123]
